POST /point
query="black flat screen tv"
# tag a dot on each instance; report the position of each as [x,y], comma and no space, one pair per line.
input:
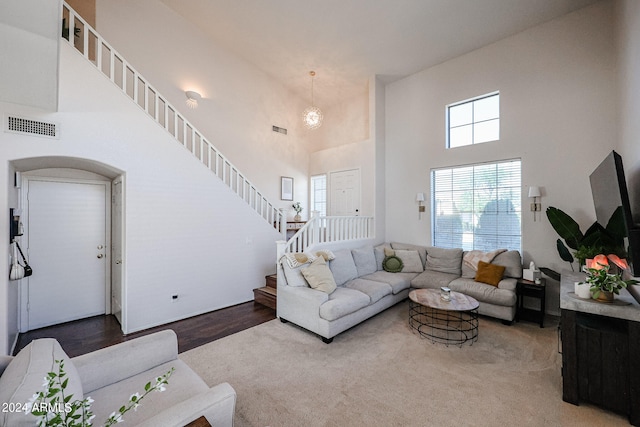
[609,190]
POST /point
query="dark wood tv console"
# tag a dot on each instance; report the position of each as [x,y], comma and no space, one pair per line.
[600,350]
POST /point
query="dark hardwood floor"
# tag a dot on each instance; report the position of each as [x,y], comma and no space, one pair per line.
[86,335]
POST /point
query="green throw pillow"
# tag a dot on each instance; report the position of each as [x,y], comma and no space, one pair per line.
[392,264]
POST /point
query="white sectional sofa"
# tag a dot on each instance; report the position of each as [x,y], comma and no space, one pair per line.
[363,288]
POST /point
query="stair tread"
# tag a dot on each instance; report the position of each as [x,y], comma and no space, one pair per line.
[267,289]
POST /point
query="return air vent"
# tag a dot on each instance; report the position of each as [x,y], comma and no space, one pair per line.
[31,127]
[279,130]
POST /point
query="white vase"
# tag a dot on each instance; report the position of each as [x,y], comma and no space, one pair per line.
[297,218]
[582,290]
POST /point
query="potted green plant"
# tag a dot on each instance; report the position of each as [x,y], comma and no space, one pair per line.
[603,281]
[596,240]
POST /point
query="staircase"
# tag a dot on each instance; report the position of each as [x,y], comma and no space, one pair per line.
[267,295]
[111,64]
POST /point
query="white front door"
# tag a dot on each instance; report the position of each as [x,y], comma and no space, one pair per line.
[67,239]
[345,193]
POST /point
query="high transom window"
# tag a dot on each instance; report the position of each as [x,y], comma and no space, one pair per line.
[474,121]
[477,206]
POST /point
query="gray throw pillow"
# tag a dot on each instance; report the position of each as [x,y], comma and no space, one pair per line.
[444,260]
[343,267]
[365,260]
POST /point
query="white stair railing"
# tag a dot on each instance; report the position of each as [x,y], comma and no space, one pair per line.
[327,229]
[113,65]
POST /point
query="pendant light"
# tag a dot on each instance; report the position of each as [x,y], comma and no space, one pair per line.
[312,116]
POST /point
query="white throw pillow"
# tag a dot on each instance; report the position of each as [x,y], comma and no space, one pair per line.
[319,276]
[411,261]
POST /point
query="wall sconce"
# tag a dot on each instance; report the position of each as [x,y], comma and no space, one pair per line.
[534,193]
[192,99]
[420,199]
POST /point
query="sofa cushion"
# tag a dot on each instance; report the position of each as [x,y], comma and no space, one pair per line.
[365,259]
[318,275]
[24,377]
[184,383]
[512,261]
[430,279]
[294,275]
[488,273]
[343,267]
[343,301]
[444,260]
[392,264]
[375,290]
[422,250]
[411,262]
[380,254]
[397,281]
[486,293]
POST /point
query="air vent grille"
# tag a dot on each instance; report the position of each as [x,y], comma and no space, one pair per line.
[32,127]
[279,130]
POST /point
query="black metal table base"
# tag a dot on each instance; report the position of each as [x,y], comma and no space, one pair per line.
[444,326]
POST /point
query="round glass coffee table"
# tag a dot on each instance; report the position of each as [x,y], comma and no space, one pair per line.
[447,322]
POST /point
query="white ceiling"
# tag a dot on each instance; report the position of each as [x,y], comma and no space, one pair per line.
[347,41]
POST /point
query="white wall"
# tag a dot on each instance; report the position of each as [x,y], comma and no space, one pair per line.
[344,123]
[26,26]
[344,142]
[628,44]
[558,114]
[240,105]
[186,232]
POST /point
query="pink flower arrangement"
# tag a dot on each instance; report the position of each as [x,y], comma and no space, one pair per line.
[600,279]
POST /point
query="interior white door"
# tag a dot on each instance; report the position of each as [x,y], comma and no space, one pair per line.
[345,193]
[68,240]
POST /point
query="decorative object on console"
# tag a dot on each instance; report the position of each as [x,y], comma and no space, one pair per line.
[192,99]
[603,284]
[312,115]
[298,208]
[534,193]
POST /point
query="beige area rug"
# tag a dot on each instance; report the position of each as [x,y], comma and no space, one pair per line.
[381,373]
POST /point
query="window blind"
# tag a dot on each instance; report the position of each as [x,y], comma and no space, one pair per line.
[477,206]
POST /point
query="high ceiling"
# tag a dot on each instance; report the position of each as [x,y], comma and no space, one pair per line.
[347,41]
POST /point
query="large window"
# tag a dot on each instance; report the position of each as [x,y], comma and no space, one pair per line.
[477,206]
[319,194]
[474,121]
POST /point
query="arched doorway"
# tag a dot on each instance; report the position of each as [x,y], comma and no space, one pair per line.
[67,209]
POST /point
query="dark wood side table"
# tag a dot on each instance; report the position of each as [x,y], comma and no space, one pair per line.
[199,422]
[527,288]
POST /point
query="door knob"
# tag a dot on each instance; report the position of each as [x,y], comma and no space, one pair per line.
[100,247]
[118,261]
[100,256]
